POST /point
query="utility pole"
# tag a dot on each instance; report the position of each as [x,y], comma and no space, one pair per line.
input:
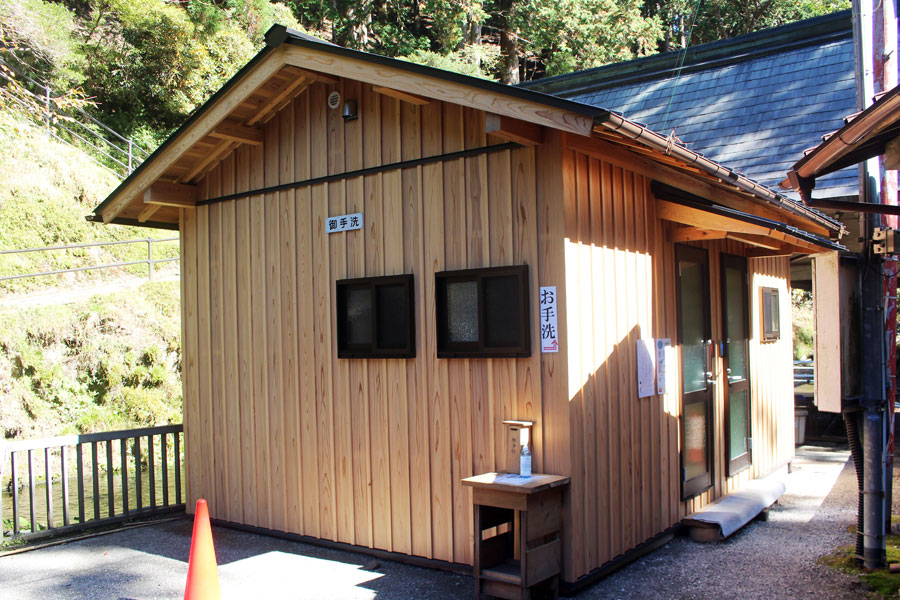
[875,37]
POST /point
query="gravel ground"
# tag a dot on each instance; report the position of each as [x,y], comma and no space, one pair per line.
[765,559]
[771,559]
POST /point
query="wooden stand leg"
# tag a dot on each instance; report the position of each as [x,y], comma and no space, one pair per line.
[476,567]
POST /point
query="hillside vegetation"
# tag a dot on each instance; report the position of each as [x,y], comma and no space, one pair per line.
[46,189]
[104,363]
[110,362]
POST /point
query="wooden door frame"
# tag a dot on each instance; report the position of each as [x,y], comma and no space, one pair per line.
[743,462]
[694,487]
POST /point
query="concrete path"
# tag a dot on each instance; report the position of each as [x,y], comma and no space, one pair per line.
[773,559]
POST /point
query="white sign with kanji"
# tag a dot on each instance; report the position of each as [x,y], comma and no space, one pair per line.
[547,317]
[344,223]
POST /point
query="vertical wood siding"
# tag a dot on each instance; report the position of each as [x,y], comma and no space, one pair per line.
[620,279]
[283,435]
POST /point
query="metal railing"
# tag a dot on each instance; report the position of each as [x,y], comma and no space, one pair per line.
[38,100]
[149,261]
[804,372]
[38,501]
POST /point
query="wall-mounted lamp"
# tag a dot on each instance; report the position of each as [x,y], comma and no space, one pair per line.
[351,110]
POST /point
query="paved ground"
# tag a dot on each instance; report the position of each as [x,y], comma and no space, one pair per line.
[764,560]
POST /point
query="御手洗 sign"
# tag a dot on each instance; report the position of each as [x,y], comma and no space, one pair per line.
[547,315]
[344,223]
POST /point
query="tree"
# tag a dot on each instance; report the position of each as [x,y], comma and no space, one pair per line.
[720,19]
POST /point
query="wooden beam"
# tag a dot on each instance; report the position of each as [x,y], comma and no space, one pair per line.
[756,240]
[892,154]
[212,158]
[513,130]
[700,185]
[438,88]
[205,122]
[148,212]
[404,96]
[761,253]
[694,234]
[320,77]
[702,219]
[238,133]
[276,98]
[164,193]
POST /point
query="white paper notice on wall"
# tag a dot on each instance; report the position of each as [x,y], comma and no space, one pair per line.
[344,223]
[645,368]
[662,349]
[547,318]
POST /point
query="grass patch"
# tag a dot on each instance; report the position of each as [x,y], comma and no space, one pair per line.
[881,583]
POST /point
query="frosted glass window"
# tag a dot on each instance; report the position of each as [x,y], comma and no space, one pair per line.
[359,316]
[462,311]
[695,431]
[739,417]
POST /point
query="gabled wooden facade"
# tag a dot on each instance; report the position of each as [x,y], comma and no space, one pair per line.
[450,173]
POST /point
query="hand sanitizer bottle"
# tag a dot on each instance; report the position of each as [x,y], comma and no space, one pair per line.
[525,456]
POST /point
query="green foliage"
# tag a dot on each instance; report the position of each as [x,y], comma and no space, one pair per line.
[719,19]
[110,362]
[803,321]
[569,35]
[35,36]
[474,60]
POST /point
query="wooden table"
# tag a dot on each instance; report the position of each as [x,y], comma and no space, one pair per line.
[524,555]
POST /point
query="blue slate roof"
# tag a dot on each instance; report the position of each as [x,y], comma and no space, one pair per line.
[753,103]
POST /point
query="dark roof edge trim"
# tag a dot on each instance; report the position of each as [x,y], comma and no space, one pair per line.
[671,194]
[96,218]
[654,140]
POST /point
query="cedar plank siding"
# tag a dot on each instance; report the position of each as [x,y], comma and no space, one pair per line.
[281,434]
[365,452]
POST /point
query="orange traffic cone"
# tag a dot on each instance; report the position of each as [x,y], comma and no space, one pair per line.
[202,577]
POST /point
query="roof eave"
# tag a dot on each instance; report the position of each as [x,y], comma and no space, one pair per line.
[637,132]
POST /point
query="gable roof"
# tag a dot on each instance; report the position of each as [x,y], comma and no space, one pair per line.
[754,102]
[291,61]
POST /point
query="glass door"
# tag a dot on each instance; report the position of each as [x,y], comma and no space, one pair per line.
[737,397]
[692,267]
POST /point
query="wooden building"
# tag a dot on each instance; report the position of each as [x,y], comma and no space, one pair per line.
[349,411]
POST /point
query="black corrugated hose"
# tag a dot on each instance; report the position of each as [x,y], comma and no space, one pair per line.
[856,450]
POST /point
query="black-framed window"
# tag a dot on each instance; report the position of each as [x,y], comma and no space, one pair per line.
[375,317]
[483,313]
[771,319]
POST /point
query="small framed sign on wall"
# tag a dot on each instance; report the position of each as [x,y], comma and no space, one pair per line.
[771,318]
